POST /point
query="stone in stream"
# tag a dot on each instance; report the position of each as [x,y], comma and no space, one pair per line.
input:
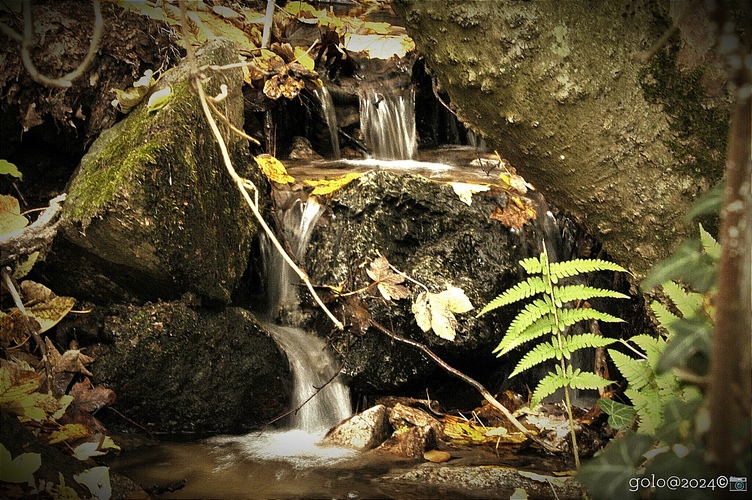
[363,431]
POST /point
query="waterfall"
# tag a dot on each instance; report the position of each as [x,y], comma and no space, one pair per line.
[311,364]
[388,123]
[330,116]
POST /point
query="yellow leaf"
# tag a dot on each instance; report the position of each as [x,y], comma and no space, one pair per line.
[273,169]
[159,99]
[225,12]
[11,219]
[379,46]
[455,299]
[305,59]
[328,186]
[466,190]
[68,432]
[126,100]
[50,312]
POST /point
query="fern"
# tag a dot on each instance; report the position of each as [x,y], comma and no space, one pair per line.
[549,317]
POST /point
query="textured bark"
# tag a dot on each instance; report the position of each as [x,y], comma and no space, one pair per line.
[556,87]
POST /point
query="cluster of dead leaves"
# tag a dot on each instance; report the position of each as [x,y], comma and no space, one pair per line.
[282,71]
[515,214]
[432,311]
[63,414]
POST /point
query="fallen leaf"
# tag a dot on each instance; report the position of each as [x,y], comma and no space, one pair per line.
[126,100]
[50,312]
[434,311]
[466,191]
[388,282]
[273,169]
[97,480]
[9,168]
[90,398]
[11,219]
[20,469]
[159,99]
[68,432]
[225,12]
[323,187]
[515,214]
[13,329]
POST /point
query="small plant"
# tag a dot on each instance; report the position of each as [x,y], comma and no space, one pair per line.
[552,316]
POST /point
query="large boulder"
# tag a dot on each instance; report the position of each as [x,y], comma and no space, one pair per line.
[569,93]
[179,369]
[426,231]
[151,211]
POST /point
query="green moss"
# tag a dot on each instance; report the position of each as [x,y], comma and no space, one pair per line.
[700,131]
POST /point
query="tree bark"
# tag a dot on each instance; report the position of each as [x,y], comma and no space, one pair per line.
[568,92]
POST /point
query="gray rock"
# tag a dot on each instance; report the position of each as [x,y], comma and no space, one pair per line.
[402,416]
[410,442]
[363,431]
[176,369]
[151,211]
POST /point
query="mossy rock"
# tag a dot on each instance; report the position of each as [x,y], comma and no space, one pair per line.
[152,203]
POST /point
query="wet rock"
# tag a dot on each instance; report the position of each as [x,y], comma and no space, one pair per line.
[426,231]
[409,442]
[363,431]
[176,369]
[402,416]
[151,212]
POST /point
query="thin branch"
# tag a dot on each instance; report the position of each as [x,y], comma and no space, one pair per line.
[472,382]
[268,20]
[8,282]
[243,183]
[33,237]
[28,38]
[229,124]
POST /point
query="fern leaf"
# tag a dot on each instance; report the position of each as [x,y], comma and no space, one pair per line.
[532,312]
[637,372]
[533,265]
[687,303]
[568,268]
[541,353]
[541,327]
[649,407]
[548,385]
[570,293]
[528,288]
[710,245]
[569,317]
[583,341]
[652,346]
[665,317]
[583,380]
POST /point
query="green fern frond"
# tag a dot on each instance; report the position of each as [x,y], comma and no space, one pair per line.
[637,372]
[548,385]
[583,381]
[665,317]
[569,317]
[574,343]
[710,245]
[569,293]
[687,303]
[534,265]
[528,288]
[569,268]
[540,354]
[648,404]
[532,312]
[652,346]
[541,327]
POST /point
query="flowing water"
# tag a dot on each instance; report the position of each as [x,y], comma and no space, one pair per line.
[330,116]
[387,120]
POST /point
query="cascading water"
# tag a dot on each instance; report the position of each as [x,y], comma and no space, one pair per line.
[330,116]
[387,120]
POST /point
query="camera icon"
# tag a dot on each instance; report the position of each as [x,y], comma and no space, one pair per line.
[737,483]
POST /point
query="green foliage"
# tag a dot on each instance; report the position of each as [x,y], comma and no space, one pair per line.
[9,168]
[667,411]
[550,316]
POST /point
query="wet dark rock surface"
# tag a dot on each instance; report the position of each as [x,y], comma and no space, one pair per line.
[179,369]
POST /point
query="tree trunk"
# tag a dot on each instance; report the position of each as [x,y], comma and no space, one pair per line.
[566,91]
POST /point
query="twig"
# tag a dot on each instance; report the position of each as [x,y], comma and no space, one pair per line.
[8,282]
[33,237]
[28,38]
[471,381]
[268,20]
[232,127]
[241,183]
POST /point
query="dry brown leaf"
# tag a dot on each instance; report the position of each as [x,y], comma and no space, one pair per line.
[515,214]
[437,456]
[13,329]
[388,282]
[50,312]
[434,311]
[90,398]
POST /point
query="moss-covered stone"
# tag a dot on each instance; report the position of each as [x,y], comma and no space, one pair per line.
[178,369]
[153,199]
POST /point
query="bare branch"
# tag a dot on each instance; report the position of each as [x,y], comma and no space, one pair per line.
[28,38]
[33,237]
